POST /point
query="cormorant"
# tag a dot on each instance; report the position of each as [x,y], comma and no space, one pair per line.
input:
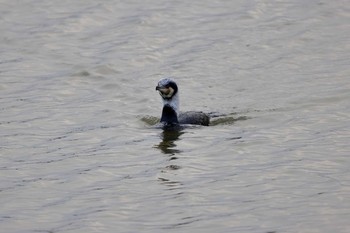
[168,90]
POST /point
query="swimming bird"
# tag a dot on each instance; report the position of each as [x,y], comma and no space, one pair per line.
[171,115]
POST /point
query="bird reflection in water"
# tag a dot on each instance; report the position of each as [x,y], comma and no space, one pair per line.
[167,144]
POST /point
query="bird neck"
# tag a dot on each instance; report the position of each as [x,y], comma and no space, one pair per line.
[173,103]
[169,115]
[170,110]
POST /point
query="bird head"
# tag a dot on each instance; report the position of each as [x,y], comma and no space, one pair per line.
[167,88]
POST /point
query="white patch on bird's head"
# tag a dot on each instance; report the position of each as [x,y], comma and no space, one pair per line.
[168,90]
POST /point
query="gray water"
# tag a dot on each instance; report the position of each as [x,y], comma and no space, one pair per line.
[79,152]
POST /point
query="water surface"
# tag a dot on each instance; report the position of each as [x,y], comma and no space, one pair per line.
[78,150]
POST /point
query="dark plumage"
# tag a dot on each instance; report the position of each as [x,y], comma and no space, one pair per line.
[168,90]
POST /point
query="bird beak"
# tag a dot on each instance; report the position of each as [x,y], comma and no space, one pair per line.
[162,90]
[165,92]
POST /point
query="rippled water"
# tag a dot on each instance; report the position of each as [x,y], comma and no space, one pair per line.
[78,149]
